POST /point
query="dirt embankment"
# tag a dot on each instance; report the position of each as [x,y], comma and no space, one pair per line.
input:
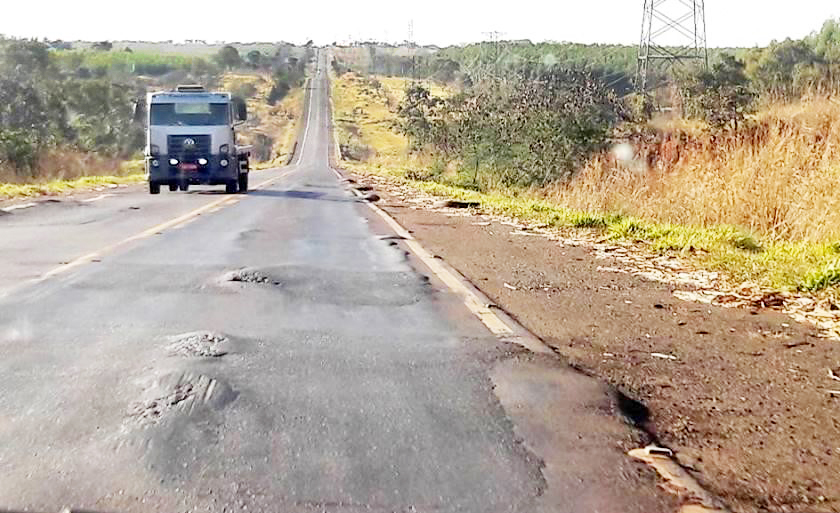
[744,396]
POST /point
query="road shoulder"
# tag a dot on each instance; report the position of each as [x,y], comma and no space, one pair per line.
[739,394]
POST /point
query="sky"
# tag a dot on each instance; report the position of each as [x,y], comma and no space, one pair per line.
[729,22]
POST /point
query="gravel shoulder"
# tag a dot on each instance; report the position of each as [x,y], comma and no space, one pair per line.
[742,395]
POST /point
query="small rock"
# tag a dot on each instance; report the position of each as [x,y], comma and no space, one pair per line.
[451,203]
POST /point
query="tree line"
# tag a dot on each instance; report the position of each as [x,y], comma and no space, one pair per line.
[53,96]
[534,116]
[783,70]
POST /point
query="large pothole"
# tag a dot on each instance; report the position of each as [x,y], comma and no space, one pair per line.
[180,393]
[199,344]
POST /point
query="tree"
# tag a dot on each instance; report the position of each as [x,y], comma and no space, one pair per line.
[104,46]
[721,96]
[534,128]
[254,58]
[23,124]
[773,67]
[228,57]
[419,112]
[26,57]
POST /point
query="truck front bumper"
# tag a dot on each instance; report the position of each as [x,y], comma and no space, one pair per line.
[159,170]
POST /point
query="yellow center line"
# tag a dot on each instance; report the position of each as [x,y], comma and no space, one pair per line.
[166,225]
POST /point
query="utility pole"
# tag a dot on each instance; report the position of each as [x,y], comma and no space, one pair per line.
[673,33]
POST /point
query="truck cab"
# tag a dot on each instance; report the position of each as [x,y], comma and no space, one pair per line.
[191,140]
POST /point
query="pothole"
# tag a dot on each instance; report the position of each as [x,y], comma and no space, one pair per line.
[180,393]
[152,410]
[199,344]
[330,286]
[248,276]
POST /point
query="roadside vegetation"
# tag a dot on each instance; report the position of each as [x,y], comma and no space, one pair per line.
[68,112]
[740,176]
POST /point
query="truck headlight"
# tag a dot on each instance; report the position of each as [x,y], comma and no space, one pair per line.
[223,162]
[202,162]
[173,162]
[155,162]
[225,148]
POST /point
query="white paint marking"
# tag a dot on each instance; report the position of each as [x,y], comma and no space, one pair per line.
[308,124]
[18,207]
[101,196]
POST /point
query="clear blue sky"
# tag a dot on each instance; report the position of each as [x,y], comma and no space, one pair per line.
[730,23]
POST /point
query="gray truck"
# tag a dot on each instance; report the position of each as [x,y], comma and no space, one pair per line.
[191,140]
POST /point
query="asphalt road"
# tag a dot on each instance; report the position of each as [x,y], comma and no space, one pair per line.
[331,372]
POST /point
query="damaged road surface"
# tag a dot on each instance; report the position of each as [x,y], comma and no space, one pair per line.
[281,354]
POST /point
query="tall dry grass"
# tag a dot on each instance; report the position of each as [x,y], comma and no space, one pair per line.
[67,164]
[779,176]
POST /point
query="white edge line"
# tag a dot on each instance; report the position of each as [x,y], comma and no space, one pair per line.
[308,124]
[97,198]
[18,207]
[506,329]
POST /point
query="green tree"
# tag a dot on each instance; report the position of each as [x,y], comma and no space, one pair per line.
[103,46]
[534,128]
[24,124]
[721,96]
[773,69]
[255,58]
[26,57]
[228,57]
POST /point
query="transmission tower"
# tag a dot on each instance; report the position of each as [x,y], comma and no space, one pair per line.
[496,39]
[673,32]
[413,49]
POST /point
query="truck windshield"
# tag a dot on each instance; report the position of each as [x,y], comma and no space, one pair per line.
[189,114]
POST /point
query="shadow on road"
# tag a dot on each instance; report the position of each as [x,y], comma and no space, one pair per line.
[311,195]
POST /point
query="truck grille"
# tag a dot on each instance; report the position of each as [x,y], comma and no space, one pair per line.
[175,144]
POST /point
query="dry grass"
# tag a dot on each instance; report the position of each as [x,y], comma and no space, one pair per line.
[62,170]
[365,114]
[69,164]
[270,129]
[11,190]
[778,179]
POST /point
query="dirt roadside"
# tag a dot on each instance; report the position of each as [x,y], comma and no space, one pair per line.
[743,396]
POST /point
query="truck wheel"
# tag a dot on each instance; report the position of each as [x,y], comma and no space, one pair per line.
[230,187]
[173,187]
[154,188]
[184,186]
[243,183]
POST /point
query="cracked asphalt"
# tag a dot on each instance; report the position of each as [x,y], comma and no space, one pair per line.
[277,353]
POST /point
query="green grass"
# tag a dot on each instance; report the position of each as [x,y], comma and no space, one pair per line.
[140,63]
[11,190]
[777,264]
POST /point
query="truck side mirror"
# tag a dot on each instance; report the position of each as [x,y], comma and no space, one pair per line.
[139,114]
[241,109]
